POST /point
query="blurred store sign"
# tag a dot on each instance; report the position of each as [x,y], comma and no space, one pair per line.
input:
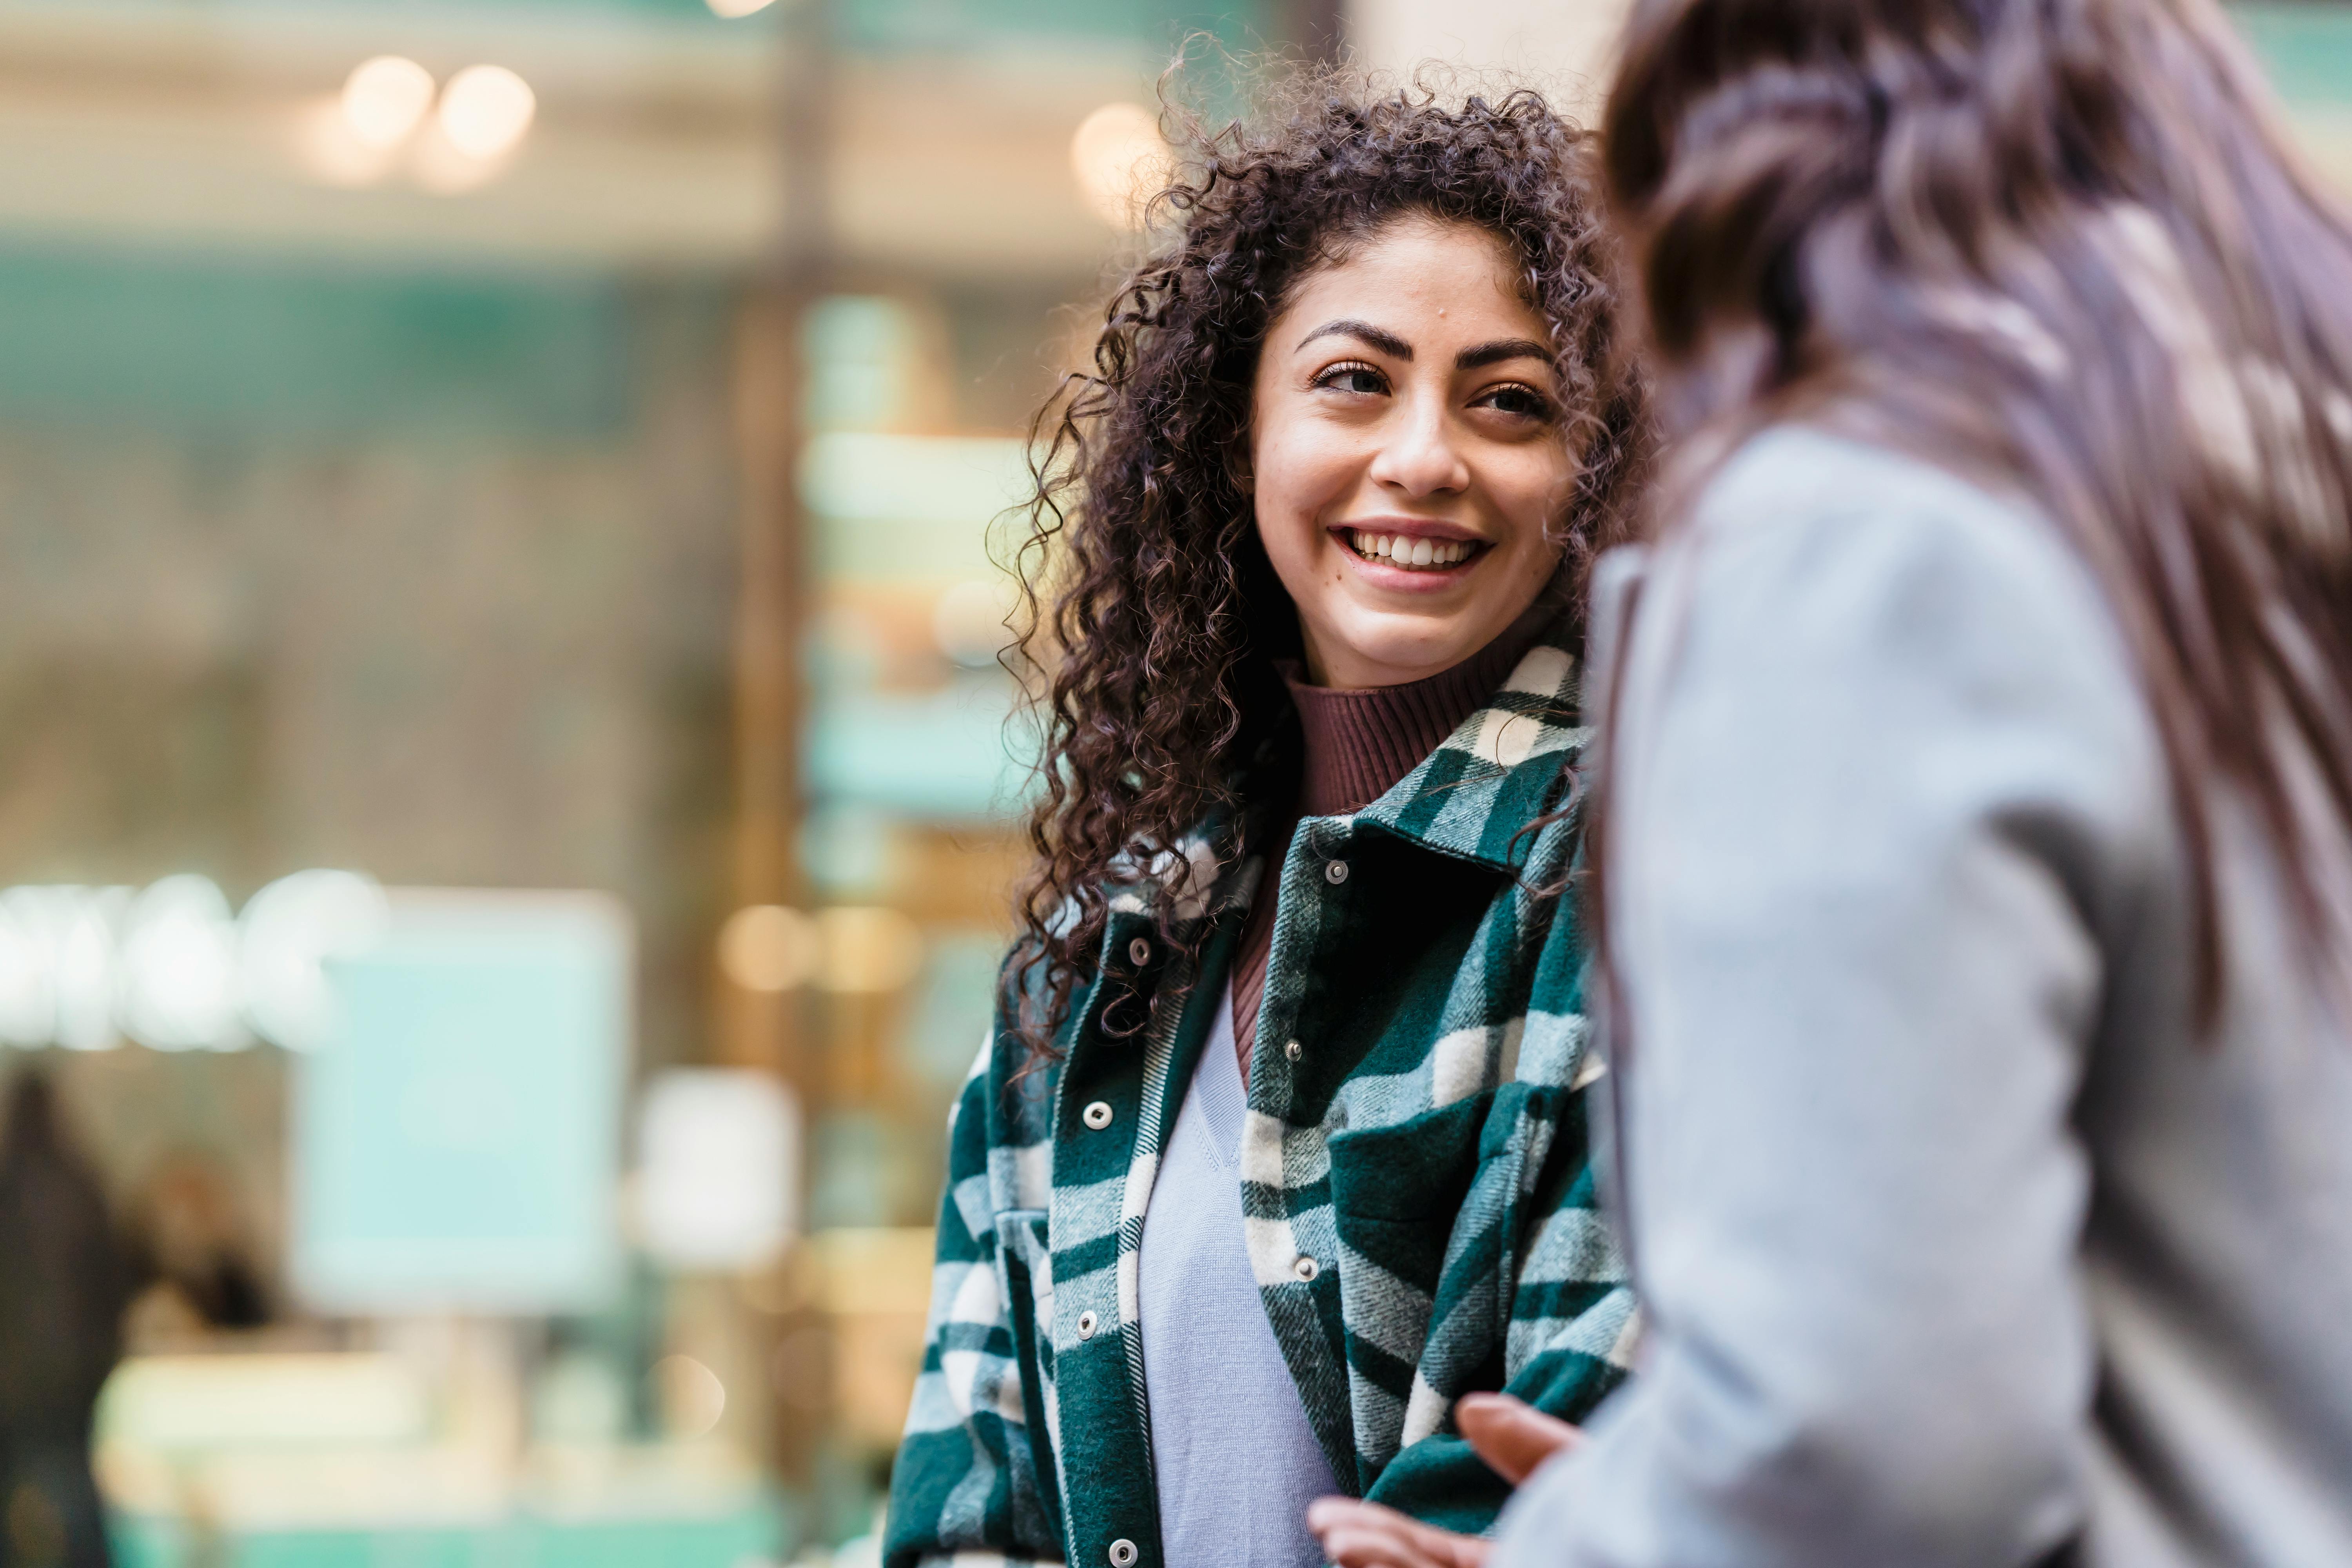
[170,967]
[719,1159]
[456,1133]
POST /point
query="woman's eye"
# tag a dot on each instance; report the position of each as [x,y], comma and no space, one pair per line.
[1356,378]
[1523,402]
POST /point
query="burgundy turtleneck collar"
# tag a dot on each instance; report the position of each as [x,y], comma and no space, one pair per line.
[1360,744]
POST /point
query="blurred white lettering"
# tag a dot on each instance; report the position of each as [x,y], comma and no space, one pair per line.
[170,967]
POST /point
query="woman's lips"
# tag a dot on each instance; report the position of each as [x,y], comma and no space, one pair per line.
[1391,553]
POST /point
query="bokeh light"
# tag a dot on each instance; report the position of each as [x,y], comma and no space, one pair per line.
[486,110]
[869,949]
[692,1399]
[767,947]
[1121,163]
[969,621]
[386,99]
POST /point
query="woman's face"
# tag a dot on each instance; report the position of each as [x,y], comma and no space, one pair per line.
[1406,452]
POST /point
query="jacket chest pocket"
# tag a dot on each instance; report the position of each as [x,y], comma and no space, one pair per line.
[1432,1201]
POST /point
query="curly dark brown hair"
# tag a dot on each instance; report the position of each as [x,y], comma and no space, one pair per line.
[1149,598]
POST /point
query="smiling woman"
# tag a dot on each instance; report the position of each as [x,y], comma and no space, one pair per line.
[1406,452]
[1234,1214]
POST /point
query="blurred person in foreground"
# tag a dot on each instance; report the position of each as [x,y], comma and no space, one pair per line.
[1977,861]
[1278,1144]
[64,1281]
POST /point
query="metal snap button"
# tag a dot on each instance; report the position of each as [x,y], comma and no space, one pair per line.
[1294,1050]
[1087,1323]
[1306,1268]
[1336,872]
[1122,1554]
[1139,953]
[1098,1115]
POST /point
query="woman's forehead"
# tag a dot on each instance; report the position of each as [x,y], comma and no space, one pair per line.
[1423,280]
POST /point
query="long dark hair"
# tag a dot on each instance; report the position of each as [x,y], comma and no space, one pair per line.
[1152,603]
[2060,245]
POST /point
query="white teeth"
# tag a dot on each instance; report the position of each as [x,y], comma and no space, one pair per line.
[1405,551]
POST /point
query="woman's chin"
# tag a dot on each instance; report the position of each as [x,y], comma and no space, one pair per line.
[1394,649]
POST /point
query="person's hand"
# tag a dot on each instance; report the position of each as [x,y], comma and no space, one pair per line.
[1366,1535]
[1512,1437]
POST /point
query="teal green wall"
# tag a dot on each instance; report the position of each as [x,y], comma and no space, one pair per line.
[116,339]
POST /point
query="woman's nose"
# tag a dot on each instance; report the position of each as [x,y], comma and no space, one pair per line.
[1420,457]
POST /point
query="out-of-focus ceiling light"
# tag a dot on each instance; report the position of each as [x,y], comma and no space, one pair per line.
[331,151]
[384,99]
[486,110]
[1120,162]
[731,8]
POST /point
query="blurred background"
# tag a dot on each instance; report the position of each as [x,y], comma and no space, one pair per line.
[506,800]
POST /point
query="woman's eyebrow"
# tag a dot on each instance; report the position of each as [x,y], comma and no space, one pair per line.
[1498,350]
[1388,343]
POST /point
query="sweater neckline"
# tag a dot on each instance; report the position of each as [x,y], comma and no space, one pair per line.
[1359,743]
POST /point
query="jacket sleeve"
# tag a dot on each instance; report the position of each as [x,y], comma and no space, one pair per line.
[974,1483]
[1886,788]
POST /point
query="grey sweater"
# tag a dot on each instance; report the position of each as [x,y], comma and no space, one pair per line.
[1958,1243]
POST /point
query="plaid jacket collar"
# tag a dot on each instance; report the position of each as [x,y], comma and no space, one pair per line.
[1473,798]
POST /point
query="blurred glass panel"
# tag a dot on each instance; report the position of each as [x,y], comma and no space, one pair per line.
[456,1135]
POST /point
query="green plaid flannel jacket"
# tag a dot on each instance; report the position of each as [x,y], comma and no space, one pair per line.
[1415,1183]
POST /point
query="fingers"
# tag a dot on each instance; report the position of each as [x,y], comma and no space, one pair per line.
[1513,1437]
[1366,1535]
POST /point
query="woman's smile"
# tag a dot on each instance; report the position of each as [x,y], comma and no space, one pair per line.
[1406,555]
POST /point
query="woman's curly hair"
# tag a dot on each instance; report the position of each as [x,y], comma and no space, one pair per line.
[1149,599]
